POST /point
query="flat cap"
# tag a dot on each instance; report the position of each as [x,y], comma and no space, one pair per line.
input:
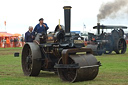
[41,19]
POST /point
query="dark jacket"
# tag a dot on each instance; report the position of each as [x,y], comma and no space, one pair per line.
[39,29]
[28,37]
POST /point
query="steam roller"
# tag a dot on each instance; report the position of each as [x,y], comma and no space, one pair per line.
[61,52]
[108,42]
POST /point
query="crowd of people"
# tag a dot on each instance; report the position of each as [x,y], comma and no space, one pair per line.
[29,36]
[12,42]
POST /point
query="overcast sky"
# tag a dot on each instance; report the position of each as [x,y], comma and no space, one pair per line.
[20,14]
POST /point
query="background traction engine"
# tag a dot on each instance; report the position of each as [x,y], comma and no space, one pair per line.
[59,52]
[108,42]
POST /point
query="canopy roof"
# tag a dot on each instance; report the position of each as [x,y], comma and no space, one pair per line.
[16,34]
[110,27]
[5,34]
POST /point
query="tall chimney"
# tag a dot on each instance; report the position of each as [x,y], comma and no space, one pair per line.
[98,28]
[67,18]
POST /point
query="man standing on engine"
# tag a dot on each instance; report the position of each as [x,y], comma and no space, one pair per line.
[41,27]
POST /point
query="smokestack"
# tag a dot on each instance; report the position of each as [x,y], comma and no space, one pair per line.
[98,28]
[67,18]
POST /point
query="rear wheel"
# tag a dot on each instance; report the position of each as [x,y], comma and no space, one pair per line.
[120,46]
[30,64]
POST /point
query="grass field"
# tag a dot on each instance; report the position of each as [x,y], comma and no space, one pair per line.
[114,71]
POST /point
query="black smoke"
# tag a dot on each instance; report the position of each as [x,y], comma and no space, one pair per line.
[111,8]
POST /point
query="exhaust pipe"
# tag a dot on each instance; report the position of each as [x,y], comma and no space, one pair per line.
[67,18]
[98,28]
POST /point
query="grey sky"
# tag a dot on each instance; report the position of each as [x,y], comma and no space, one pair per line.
[20,14]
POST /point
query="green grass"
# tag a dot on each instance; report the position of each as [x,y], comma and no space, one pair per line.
[114,71]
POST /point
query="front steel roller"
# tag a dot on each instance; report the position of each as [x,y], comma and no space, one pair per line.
[97,49]
[79,68]
[31,64]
